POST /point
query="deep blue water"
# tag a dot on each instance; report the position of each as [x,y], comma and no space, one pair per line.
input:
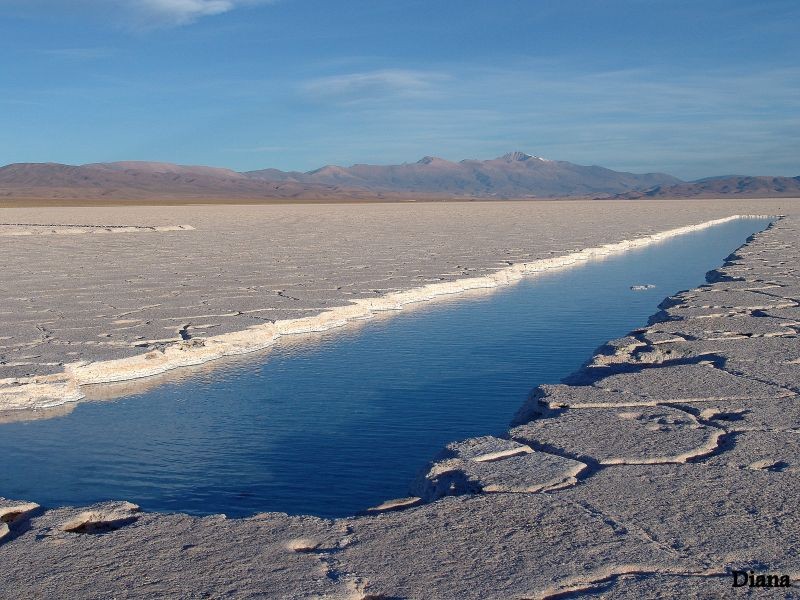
[335,424]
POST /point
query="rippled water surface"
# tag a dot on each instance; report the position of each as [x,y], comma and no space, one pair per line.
[335,423]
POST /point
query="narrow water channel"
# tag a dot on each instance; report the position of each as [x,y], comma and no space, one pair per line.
[334,424]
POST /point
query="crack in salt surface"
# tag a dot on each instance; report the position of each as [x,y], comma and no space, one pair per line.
[52,390]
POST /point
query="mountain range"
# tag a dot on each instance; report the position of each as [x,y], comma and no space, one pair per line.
[513,175]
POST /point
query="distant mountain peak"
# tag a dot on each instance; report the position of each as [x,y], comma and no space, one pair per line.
[329,170]
[518,156]
[426,160]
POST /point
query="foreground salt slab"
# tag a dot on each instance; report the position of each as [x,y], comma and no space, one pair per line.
[713,328]
[103,517]
[688,383]
[11,511]
[553,397]
[650,387]
[638,435]
[755,349]
[492,465]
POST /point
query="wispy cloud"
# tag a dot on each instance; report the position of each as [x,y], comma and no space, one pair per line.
[135,14]
[179,12]
[376,85]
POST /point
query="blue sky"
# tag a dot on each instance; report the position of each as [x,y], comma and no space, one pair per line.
[694,88]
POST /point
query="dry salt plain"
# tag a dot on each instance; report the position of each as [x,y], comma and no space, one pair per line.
[668,461]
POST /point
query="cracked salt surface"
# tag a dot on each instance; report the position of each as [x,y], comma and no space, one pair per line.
[345,420]
[671,526]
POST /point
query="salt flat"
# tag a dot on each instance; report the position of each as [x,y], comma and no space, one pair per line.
[167,277]
[690,477]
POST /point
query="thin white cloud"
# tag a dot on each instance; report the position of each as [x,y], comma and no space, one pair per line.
[168,13]
[137,14]
[373,85]
[180,12]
